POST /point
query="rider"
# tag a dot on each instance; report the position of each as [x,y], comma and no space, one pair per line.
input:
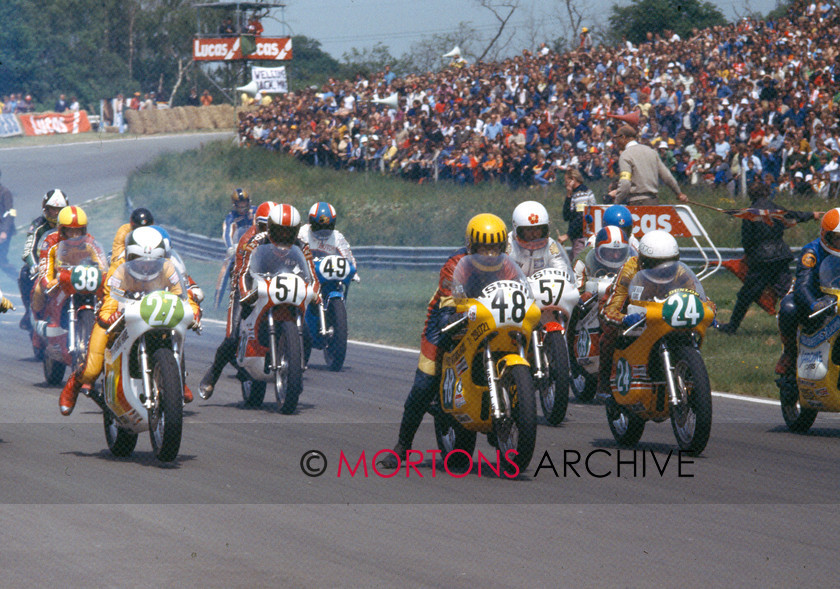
[529,245]
[145,245]
[282,229]
[72,224]
[54,200]
[193,290]
[655,248]
[608,255]
[140,217]
[486,235]
[240,217]
[322,236]
[621,217]
[805,297]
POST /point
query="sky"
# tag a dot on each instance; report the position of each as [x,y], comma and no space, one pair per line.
[341,25]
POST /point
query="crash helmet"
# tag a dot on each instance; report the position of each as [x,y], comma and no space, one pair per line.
[830,232]
[240,196]
[72,222]
[167,241]
[261,215]
[141,217]
[657,247]
[283,225]
[486,229]
[322,216]
[619,216]
[145,252]
[52,203]
[527,215]
[611,247]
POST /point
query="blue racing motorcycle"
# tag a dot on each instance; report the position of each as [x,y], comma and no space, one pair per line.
[326,323]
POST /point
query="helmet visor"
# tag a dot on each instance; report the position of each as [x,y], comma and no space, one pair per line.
[281,235]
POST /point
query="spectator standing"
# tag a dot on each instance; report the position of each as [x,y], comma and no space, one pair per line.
[7,227]
[61,104]
[578,197]
[640,171]
[192,99]
[74,105]
[206,99]
[226,29]
[119,112]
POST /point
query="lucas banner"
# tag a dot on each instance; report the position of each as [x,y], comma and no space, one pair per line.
[50,123]
[246,47]
[670,218]
[270,80]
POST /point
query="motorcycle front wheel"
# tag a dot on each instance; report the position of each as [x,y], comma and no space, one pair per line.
[554,390]
[627,428]
[691,419]
[166,419]
[520,432]
[797,419]
[121,442]
[288,376]
[84,326]
[335,349]
[451,436]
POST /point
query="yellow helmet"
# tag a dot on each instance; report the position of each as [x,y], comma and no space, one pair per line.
[71,217]
[486,229]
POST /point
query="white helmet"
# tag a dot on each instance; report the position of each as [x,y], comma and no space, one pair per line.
[611,247]
[657,247]
[530,214]
[283,224]
[145,251]
[56,200]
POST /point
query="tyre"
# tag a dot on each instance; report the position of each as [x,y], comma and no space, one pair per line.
[166,419]
[53,370]
[253,392]
[520,432]
[627,428]
[450,436]
[691,420]
[335,348]
[584,385]
[84,326]
[288,377]
[797,419]
[554,390]
[306,336]
[121,442]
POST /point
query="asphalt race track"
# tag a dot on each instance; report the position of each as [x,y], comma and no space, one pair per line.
[759,507]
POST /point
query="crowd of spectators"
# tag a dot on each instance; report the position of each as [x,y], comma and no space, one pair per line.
[753,100]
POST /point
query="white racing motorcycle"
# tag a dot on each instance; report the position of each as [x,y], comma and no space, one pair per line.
[556,296]
[144,378]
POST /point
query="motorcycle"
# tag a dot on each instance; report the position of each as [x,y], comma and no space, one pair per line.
[818,360]
[61,338]
[486,384]
[144,376]
[584,347]
[548,353]
[269,347]
[657,368]
[326,322]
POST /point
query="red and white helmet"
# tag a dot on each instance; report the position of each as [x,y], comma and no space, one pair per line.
[611,247]
[830,232]
[261,215]
[283,225]
[530,214]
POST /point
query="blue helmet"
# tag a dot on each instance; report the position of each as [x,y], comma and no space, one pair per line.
[619,216]
[322,216]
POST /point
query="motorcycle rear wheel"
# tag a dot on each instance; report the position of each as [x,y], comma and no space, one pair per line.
[797,419]
[627,428]
[519,433]
[554,390]
[335,348]
[166,420]
[288,377]
[53,370]
[451,436]
[121,442]
[691,420]
[253,392]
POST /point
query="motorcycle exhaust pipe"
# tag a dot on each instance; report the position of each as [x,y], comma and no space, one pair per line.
[71,347]
[147,374]
[535,341]
[272,337]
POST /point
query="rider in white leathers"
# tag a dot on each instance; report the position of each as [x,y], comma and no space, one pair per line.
[529,244]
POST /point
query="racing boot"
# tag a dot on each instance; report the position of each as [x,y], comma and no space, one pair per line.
[67,400]
[392,461]
[418,401]
[224,353]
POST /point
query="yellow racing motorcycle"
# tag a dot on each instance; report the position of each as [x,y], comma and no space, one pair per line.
[658,371]
[486,384]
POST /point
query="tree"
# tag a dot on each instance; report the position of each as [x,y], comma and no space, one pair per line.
[503,12]
[312,66]
[641,17]
[426,55]
[368,61]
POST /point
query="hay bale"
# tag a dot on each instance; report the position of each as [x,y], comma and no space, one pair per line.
[166,121]
[149,122]
[204,117]
[228,116]
[179,119]
[135,124]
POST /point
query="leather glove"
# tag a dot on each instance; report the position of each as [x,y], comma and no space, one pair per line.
[585,297]
[33,271]
[632,319]
[230,251]
[6,305]
[822,303]
[106,323]
[357,278]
